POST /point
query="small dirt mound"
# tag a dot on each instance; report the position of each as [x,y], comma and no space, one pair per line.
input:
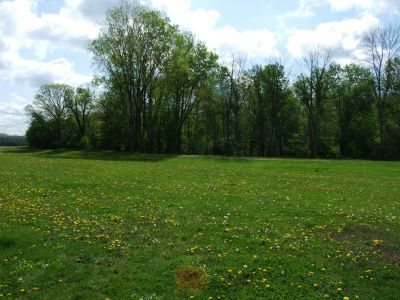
[191,278]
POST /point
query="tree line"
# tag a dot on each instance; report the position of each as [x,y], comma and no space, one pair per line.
[159,90]
[12,140]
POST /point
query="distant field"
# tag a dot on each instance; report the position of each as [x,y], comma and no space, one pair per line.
[77,225]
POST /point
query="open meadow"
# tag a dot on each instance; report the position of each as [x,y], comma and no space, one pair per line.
[77,225]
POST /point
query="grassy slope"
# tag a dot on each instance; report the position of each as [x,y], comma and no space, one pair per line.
[91,226]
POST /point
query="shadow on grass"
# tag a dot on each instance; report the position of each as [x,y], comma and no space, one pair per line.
[96,155]
[6,242]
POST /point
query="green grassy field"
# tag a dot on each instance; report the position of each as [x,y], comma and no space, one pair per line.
[77,225]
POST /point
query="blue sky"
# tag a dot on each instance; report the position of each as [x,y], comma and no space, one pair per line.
[45,41]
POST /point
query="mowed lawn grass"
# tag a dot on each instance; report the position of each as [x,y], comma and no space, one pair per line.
[76,225]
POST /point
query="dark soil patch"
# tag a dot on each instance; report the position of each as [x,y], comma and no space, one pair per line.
[390,254]
[355,233]
[386,242]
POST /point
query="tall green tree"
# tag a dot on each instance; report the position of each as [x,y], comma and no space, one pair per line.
[230,90]
[353,93]
[131,52]
[50,106]
[80,106]
[187,71]
[381,46]
[312,89]
[393,110]
[269,96]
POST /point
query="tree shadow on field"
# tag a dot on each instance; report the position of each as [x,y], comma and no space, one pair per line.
[96,155]
[7,242]
[18,150]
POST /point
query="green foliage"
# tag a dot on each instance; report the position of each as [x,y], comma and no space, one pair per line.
[269,107]
[42,133]
[312,89]
[59,116]
[353,95]
[187,72]
[131,52]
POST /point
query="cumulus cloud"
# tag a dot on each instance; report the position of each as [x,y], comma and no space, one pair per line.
[307,8]
[61,30]
[203,23]
[18,70]
[23,28]
[13,118]
[342,36]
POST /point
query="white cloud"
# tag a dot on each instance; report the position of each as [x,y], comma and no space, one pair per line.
[18,70]
[342,36]
[204,24]
[375,6]
[13,118]
[22,29]
[304,10]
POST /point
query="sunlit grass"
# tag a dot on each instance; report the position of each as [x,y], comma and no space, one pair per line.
[120,226]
